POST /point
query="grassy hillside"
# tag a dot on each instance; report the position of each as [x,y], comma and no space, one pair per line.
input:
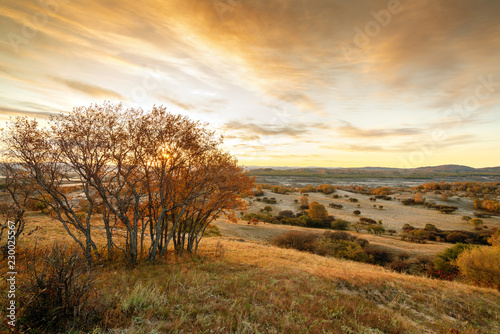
[260,288]
[255,287]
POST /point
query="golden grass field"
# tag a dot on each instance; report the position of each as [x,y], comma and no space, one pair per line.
[258,288]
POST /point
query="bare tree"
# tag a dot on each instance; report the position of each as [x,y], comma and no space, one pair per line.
[17,190]
[158,176]
[45,164]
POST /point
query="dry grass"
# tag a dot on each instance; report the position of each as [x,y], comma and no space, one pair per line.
[264,233]
[260,288]
[422,302]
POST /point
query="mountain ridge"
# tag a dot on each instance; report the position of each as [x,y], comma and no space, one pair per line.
[383,172]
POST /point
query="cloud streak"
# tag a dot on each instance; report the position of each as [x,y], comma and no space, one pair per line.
[290,129]
[6,111]
[348,130]
[89,89]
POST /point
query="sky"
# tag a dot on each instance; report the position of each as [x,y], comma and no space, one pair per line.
[327,83]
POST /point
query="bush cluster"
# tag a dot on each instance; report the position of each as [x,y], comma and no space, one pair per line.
[431,233]
[266,200]
[59,292]
[336,244]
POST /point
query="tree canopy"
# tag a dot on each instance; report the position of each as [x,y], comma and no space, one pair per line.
[160,177]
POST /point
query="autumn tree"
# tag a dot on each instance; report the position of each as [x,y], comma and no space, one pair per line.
[494,240]
[304,202]
[223,180]
[487,204]
[481,266]
[258,191]
[16,193]
[477,223]
[419,198]
[155,175]
[325,188]
[317,211]
[38,151]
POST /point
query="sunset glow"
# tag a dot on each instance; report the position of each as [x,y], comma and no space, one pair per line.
[287,82]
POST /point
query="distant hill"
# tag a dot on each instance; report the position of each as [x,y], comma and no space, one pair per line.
[379,172]
[446,168]
[491,169]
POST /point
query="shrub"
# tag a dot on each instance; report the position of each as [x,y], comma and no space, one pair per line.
[356,212]
[271,200]
[407,228]
[447,209]
[455,237]
[41,206]
[399,265]
[340,224]
[344,249]
[286,213]
[481,266]
[339,236]
[408,201]
[416,235]
[416,266]
[444,262]
[488,205]
[362,242]
[317,211]
[258,191]
[258,217]
[481,215]
[368,221]
[477,223]
[337,244]
[308,189]
[58,290]
[378,256]
[494,240]
[304,202]
[301,241]
[325,188]
[375,229]
[359,226]
[419,198]
[267,209]
[391,232]
[280,190]
[430,227]
[212,231]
